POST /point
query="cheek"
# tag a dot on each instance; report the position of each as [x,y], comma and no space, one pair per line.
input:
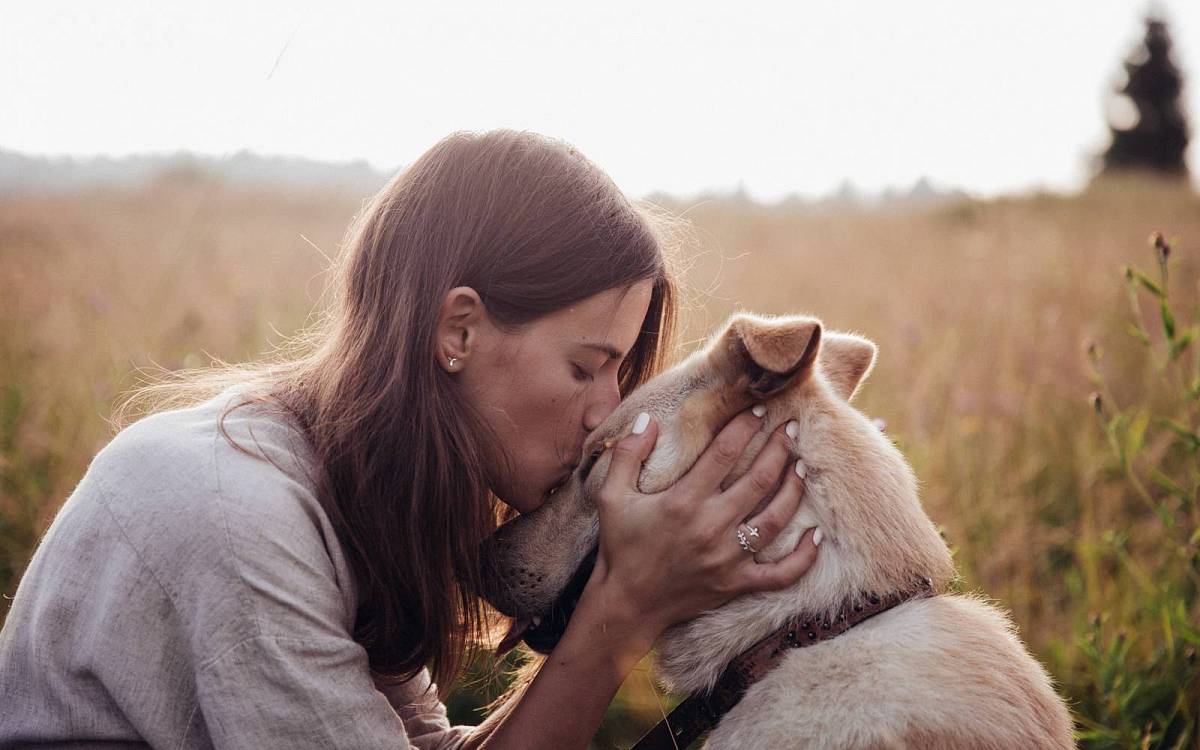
[552,414]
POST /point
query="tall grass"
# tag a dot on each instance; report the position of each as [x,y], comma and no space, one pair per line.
[981,310]
[1139,685]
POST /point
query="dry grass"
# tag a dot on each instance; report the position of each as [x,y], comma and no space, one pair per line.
[980,310]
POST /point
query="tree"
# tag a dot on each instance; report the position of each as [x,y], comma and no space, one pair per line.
[1159,139]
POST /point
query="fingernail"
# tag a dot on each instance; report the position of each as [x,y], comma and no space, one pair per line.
[801,469]
[641,423]
[792,429]
[758,410]
[817,537]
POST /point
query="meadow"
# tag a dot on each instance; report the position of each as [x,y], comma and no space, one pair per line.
[996,320]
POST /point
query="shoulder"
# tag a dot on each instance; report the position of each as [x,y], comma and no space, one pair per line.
[219,500]
[182,446]
[203,461]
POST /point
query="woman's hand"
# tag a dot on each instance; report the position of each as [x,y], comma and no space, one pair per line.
[667,557]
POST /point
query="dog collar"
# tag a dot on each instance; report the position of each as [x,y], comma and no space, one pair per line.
[701,711]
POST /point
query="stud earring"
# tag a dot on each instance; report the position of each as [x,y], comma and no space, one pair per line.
[452,361]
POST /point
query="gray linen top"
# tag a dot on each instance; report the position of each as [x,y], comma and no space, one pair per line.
[188,595]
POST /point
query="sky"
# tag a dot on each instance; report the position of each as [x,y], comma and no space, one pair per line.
[777,98]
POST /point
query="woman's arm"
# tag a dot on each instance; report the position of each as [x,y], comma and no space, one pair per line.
[662,559]
[563,705]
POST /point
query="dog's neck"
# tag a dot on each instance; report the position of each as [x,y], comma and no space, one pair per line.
[877,540]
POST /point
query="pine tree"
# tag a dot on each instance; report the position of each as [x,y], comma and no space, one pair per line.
[1159,139]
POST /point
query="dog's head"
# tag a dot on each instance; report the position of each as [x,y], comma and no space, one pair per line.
[798,371]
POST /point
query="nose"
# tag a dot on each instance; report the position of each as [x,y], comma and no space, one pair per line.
[604,400]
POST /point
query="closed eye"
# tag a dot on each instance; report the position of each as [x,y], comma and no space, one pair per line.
[581,374]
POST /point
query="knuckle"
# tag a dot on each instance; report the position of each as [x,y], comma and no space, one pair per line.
[762,481]
[725,586]
[772,578]
[677,506]
[623,451]
[769,526]
[726,451]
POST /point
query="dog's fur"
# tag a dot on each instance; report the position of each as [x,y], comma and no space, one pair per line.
[942,672]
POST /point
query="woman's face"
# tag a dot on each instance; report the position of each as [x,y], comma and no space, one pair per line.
[545,386]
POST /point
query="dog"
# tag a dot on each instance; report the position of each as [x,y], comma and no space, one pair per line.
[935,671]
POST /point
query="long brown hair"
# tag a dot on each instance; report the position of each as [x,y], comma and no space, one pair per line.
[532,226]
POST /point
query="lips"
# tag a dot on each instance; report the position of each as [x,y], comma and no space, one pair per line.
[558,484]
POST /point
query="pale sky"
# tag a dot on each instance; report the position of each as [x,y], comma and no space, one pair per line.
[782,97]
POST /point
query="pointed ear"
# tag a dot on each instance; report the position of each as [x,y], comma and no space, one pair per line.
[768,354]
[846,360]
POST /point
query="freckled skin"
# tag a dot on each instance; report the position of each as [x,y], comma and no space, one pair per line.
[541,390]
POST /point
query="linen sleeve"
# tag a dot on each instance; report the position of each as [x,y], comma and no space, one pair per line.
[424,715]
[283,692]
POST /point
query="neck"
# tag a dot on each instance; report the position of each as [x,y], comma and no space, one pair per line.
[877,542]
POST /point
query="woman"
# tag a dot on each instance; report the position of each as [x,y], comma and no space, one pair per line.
[285,563]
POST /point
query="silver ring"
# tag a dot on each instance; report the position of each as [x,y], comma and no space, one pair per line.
[744,541]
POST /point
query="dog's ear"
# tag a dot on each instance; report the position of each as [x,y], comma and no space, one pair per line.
[846,360]
[768,354]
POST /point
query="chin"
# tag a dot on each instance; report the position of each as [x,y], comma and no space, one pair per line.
[523,502]
[526,502]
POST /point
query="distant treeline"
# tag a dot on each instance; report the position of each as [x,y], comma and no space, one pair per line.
[22,173]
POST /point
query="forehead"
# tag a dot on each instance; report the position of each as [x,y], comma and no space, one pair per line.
[612,317]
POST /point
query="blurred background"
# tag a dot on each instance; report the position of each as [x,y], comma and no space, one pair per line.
[976,188]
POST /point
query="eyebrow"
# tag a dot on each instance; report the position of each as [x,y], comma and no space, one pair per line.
[608,349]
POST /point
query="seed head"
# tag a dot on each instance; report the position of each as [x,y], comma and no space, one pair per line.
[1161,247]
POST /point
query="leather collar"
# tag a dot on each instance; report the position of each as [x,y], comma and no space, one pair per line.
[701,712]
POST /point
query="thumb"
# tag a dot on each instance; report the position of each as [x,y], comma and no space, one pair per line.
[630,452]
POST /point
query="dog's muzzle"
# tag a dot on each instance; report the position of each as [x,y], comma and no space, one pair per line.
[544,636]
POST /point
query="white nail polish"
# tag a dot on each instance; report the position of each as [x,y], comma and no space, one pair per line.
[641,423]
[801,469]
[758,410]
[792,429]
[817,537]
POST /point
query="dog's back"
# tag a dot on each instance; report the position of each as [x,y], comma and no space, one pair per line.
[943,672]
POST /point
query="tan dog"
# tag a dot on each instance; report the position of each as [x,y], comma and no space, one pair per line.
[940,672]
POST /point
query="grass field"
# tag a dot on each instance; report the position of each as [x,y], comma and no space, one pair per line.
[983,311]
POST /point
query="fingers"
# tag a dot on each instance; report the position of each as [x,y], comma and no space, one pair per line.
[630,453]
[761,479]
[784,572]
[721,454]
[771,520]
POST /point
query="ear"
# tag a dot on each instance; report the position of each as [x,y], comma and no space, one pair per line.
[460,318]
[846,360]
[768,354]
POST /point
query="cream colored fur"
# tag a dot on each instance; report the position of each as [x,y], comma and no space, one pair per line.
[946,672]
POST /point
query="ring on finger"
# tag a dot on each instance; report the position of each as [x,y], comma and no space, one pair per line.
[744,538]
